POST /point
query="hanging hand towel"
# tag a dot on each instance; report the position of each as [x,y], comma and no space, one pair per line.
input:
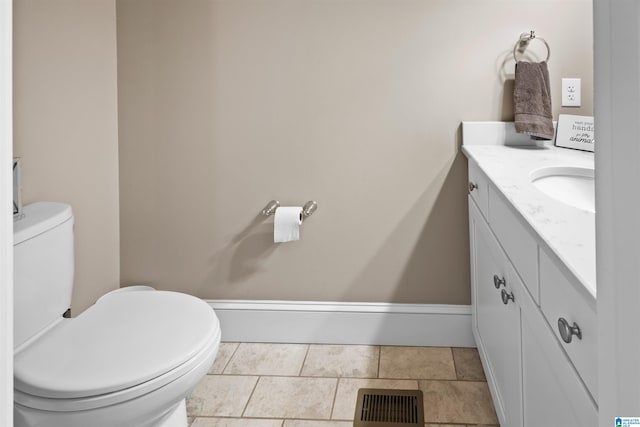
[532,100]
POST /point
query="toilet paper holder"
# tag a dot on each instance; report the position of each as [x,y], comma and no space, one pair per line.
[308,208]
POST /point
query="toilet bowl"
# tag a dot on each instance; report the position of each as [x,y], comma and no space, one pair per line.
[129,360]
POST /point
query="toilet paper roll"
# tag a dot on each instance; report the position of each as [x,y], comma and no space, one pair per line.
[286,225]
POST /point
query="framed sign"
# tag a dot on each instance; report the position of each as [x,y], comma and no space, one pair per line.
[575,132]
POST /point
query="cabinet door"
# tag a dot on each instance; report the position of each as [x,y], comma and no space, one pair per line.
[552,390]
[497,324]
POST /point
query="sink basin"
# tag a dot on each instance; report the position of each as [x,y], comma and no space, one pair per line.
[570,185]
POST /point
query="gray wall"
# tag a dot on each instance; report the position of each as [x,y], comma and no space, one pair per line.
[225,105]
[65,126]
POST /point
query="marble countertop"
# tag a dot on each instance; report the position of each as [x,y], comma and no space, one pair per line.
[568,231]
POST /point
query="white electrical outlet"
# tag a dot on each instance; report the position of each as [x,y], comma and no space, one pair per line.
[570,92]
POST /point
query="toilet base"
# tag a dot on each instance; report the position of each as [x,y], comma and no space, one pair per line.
[142,411]
[176,417]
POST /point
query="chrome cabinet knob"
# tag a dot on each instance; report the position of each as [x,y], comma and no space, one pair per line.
[567,332]
[472,186]
[497,282]
[506,296]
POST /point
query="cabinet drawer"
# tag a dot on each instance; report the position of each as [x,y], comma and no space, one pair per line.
[479,188]
[560,298]
[520,246]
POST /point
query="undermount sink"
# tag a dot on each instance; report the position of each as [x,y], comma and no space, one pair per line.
[570,185]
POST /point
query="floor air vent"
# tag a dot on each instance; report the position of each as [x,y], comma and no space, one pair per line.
[389,408]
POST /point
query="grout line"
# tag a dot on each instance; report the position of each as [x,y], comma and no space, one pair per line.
[379,358]
[260,418]
[455,365]
[250,396]
[235,350]
[306,354]
[333,402]
[349,378]
[283,420]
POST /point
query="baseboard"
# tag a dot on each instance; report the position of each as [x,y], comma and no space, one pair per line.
[345,323]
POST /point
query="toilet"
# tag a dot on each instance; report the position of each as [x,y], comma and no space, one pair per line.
[129,360]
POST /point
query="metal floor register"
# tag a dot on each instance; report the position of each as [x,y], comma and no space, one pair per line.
[389,408]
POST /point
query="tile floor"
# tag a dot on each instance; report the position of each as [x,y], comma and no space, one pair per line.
[300,385]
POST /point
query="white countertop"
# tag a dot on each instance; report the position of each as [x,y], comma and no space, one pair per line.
[568,231]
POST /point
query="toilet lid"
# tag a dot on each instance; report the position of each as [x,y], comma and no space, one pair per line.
[123,340]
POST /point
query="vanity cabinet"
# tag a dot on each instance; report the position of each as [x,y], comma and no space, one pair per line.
[519,293]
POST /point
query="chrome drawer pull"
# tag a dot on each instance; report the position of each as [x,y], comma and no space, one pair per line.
[506,296]
[567,332]
[472,186]
[497,282]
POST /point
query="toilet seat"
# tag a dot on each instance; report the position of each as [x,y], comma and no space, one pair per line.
[110,353]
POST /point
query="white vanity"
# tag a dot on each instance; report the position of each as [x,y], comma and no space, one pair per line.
[533,276]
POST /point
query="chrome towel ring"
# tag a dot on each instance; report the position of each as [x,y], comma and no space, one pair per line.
[523,42]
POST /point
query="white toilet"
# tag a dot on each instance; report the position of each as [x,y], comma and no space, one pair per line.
[129,360]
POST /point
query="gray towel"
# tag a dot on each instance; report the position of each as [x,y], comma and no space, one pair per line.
[532,100]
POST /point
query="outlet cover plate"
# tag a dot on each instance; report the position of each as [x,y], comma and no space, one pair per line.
[571,92]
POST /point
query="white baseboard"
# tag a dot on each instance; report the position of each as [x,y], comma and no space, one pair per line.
[345,323]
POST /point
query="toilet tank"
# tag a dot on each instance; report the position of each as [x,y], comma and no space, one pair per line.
[43,267]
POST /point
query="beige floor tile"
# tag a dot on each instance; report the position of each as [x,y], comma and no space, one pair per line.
[267,359]
[220,395]
[292,397]
[222,358]
[235,422]
[356,361]
[347,394]
[417,363]
[458,402]
[444,425]
[190,421]
[468,365]
[307,423]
